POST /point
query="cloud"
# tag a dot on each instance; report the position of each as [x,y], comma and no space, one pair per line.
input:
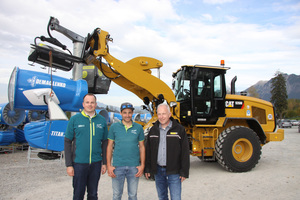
[278,6]
[161,29]
[207,17]
[217,1]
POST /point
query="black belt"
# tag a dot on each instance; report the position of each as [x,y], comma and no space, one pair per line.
[162,166]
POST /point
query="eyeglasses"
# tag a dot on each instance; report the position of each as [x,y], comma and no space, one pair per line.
[126,106]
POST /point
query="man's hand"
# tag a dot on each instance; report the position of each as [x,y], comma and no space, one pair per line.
[182,178]
[103,170]
[70,171]
[140,171]
[110,171]
[147,175]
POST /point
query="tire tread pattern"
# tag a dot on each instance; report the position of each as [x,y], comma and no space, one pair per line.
[220,151]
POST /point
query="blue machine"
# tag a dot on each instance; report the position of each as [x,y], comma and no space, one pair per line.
[19,135]
[34,115]
[117,117]
[7,137]
[142,117]
[46,134]
[104,113]
[11,117]
[9,120]
[29,90]
[11,132]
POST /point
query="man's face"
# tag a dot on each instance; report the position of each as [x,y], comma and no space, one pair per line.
[89,104]
[163,115]
[127,115]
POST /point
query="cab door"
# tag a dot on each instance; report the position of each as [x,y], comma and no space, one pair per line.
[207,96]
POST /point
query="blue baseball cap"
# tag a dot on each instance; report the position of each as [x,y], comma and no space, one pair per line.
[126,105]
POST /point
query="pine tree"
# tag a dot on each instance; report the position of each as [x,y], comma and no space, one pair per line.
[279,93]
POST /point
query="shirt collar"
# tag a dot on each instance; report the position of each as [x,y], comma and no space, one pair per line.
[126,126]
[168,126]
[83,113]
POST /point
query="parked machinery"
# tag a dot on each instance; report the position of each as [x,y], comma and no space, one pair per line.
[222,127]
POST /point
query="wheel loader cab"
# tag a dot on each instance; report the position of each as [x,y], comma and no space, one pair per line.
[201,91]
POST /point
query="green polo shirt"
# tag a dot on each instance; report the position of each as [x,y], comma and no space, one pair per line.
[126,148]
[87,134]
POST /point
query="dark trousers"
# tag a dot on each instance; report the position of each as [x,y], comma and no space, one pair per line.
[86,176]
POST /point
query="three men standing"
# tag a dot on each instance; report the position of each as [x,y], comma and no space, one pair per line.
[87,139]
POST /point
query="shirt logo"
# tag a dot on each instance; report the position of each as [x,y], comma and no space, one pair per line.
[134,132]
[173,133]
[99,125]
[81,125]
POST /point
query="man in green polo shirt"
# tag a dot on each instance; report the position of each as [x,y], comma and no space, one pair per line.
[126,144]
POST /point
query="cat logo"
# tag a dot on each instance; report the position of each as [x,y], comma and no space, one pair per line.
[237,104]
[229,104]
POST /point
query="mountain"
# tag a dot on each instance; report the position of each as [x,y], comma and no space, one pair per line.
[263,88]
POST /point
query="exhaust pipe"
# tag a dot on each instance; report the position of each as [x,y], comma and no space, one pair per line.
[233,85]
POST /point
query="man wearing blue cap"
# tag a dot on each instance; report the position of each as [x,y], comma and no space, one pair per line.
[126,147]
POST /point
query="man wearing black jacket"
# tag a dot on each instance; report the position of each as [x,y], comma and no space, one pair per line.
[167,154]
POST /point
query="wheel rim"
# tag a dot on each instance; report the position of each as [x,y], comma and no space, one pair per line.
[242,150]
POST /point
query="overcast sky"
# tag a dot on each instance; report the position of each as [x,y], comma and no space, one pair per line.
[255,38]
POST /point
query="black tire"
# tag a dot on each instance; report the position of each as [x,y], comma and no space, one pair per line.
[48,156]
[238,149]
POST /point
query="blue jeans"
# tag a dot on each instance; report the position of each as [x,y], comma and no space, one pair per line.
[164,181]
[118,182]
[86,176]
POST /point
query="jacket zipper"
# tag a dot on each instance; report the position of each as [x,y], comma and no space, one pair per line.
[91,139]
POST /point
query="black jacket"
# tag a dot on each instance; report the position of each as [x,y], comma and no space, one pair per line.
[178,157]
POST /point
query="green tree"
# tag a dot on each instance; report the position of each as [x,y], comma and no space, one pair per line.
[279,94]
[293,110]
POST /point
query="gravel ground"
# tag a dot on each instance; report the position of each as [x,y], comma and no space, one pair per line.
[276,176]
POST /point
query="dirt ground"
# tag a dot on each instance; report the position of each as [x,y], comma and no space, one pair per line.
[276,176]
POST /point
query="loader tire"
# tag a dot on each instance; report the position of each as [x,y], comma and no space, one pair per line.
[238,149]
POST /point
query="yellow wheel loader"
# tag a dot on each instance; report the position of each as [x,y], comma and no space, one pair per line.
[222,127]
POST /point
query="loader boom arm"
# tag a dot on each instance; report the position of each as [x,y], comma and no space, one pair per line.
[134,75]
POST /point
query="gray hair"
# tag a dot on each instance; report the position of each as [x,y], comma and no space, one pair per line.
[166,105]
